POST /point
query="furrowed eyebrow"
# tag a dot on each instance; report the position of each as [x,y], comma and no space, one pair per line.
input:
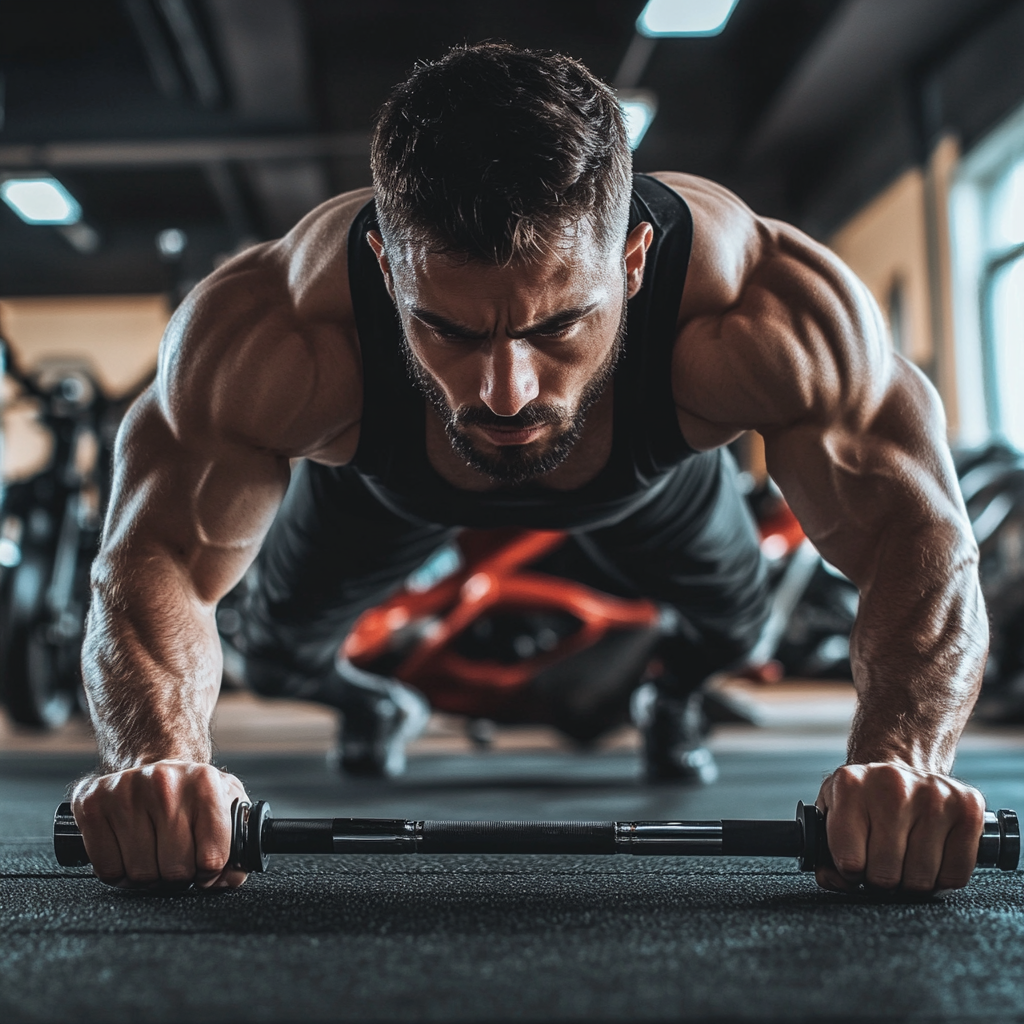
[448,327]
[553,323]
[549,325]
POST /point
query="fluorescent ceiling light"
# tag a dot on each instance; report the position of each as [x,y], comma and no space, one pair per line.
[40,199]
[684,17]
[638,109]
[171,242]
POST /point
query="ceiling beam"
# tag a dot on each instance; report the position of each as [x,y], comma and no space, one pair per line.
[182,152]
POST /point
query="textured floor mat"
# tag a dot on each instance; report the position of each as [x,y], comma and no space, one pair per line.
[465,938]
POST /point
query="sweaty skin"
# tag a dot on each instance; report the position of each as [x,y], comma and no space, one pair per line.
[261,365]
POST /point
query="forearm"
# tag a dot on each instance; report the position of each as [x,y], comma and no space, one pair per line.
[918,650]
[151,665]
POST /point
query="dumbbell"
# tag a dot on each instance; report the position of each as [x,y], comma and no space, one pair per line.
[255,835]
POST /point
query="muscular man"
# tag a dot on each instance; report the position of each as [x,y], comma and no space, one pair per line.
[510,328]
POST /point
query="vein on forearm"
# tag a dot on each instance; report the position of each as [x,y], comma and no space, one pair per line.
[918,648]
[151,667]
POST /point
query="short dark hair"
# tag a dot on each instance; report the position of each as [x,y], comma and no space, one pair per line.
[492,151]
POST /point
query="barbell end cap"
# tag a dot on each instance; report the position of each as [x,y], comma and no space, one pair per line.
[1009,840]
[247,824]
[812,825]
[68,845]
[256,858]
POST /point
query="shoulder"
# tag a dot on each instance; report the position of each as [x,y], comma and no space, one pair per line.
[264,351]
[728,239]
[773,326]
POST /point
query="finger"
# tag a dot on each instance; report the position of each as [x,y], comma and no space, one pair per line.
[175,849]
[960,853]
[924,853]
[101,846]
[847,828]
[887,849]
[137,841]
[829,878]
[230,878]
[211,829]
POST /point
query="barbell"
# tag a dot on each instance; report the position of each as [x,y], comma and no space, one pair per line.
[256,835]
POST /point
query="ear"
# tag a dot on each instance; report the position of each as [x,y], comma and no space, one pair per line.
[377,245]
[637,244]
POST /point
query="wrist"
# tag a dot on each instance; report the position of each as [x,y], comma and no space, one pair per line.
[119,752]
[924,753]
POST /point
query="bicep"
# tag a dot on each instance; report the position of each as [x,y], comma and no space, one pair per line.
[199,504]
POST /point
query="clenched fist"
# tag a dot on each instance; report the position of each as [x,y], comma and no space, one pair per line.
[167,822]
[891,827]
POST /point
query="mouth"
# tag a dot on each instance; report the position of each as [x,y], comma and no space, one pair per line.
[502,436]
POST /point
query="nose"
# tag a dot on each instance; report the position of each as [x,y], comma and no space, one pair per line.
[510,377]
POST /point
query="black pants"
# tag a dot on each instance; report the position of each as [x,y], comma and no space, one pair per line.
[335,551]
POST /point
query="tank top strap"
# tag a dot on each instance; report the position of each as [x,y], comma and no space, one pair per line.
[645,390]
[392,406]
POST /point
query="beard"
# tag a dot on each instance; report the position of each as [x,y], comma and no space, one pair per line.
[515,464]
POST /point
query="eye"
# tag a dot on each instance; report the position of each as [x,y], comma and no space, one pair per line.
[452,339]
[558,333]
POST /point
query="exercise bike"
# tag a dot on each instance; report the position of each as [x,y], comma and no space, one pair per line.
[50,527]
[497,629]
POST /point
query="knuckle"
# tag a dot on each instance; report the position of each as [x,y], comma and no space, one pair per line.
[177,873]
[163,789]
[918,883]
[209,860]
[146,876]
[883,879]
[90,795]
[848,864]
[972,806]
[208,786]
[893,779]
[849,776]
[87,812]
[932,800]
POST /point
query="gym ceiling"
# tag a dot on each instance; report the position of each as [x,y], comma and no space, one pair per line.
[229,119]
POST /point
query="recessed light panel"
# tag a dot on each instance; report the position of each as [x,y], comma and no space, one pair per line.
[684,17]
[638,109]
[40,199]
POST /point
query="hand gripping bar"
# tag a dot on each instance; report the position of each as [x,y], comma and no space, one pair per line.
[255,835]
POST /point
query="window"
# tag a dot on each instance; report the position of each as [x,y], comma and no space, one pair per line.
[987,214]
[1002,301]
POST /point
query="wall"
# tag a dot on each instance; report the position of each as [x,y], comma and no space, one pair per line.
[117,335]
[899,245]
[885,244]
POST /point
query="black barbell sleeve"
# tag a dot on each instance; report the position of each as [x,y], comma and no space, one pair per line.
[256,835]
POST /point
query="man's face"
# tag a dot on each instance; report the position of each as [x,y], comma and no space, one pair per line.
[513,357]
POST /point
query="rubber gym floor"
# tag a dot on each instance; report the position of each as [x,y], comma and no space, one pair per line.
[505,938]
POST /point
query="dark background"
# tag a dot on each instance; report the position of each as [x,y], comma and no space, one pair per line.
[229,119]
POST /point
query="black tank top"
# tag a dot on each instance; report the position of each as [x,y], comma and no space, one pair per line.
[647,444]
